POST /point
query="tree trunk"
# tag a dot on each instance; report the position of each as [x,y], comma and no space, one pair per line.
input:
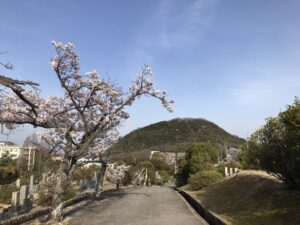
[100,180]
[61,188]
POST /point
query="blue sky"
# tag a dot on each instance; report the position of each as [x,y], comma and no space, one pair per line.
[232,62]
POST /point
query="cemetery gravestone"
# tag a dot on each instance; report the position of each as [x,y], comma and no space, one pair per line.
[230,171]
[15,199]
[31,184]
[25,202]
[226,172]
[24,192]
[18,183]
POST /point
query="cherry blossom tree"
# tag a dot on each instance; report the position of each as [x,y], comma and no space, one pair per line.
[17,86]
[83,120]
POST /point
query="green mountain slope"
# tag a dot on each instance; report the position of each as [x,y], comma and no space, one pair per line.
[172,136]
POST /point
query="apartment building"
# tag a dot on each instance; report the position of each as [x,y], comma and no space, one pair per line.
[16,152]
[8,147]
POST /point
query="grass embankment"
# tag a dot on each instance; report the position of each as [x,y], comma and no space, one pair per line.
[252,198]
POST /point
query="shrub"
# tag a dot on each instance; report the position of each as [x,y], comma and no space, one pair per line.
[8,174]
[6,160]
[70,193]
[150,170]
[6,193]
[276,146]
[183,174]
[164,175]
[8,169]
[199,157]
[203,179]
[159,162]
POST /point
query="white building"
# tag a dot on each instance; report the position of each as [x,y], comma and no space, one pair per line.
[15,152]
[8,147]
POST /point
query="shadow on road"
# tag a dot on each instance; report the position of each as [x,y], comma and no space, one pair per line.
[91,205]
[120,194]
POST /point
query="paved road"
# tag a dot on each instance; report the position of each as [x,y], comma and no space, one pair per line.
[144,206]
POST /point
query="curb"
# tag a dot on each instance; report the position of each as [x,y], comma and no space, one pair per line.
[210,217]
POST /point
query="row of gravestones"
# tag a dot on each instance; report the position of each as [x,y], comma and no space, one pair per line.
[230,171]
[20,201]
[32,187]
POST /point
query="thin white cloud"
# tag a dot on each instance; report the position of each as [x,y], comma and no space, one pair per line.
[179,23]
[266,92]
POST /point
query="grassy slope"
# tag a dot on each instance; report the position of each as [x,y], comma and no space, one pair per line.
[252,198]
[174,135]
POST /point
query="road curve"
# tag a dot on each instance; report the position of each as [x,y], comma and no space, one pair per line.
[143,206]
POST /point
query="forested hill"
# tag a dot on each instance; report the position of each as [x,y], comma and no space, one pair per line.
[174,136]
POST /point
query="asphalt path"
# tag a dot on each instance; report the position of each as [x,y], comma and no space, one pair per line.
[143,206]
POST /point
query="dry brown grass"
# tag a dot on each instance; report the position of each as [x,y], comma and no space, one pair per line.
[252,198]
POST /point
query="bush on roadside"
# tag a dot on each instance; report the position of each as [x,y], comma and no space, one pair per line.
[275,147]
[159,162]
[183,173]
[203,179]
[164,176]
[199,157]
